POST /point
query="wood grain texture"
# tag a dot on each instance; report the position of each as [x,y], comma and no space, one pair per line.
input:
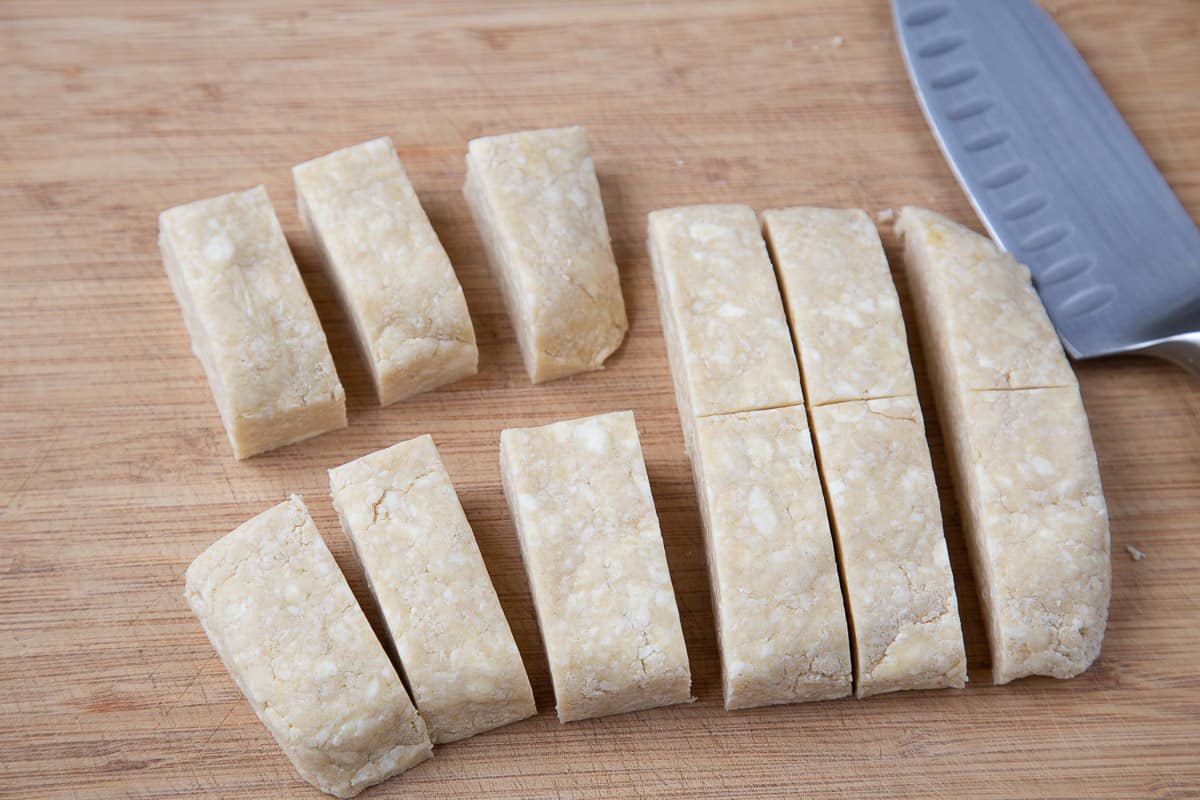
[115,473]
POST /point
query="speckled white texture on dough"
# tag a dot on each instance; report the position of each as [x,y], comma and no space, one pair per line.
[842,304]
[1018,439]
[252,324]
[989,328]
[895,566]
[283,620]
[781,623]
[536,202]
[593,551]
[722,316]
[393,276]
[408,530]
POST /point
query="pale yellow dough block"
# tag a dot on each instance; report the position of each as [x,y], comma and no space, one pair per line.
[592,547]
[1037,526]
[842,304]
[391,273]
[988,328]
[1024,463]
[285,624]
[722,316]
[408,530]
[888,524]
[536,202]
[781,624]
[252,324]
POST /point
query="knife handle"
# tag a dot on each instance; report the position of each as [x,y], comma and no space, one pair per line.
[1182,349]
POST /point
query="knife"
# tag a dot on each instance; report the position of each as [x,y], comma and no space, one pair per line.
[1056,175]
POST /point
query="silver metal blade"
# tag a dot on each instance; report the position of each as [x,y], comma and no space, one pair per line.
[1053,170]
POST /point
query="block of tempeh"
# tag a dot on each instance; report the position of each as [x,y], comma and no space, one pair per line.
[392,275]
[593,551]
[781,624]
[1018,439]
[722,316]
[284,622]
[252,324]
[536,202]
[399,510]
[874,460]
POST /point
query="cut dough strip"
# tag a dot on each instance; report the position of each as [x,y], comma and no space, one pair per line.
[781,624]
[841,303]
[252,324]
[402,516]
[590,539]
[894,563]
[780,617]
[727,335]
[284,622]
[1017,434]
[536,202]
[392,275]
[874,460]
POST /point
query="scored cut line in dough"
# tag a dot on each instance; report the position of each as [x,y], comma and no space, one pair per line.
[1024,463]
[874,460]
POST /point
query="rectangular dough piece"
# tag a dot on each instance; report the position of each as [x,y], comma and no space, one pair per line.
[1037,526]
[408,530]
[722,316]
[536,202]
[589,535]
[887,521]
[252,324]
[842,304]
[781,623]
[1017,434]
[284,622]
[392,275]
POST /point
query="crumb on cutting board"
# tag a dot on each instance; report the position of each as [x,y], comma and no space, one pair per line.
[1134,553]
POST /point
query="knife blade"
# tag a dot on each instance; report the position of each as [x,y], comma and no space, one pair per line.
[1056,175]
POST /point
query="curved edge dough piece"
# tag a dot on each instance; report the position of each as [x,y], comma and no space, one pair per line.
[536,202]
[407,529]
[988,326]
[1037,526]
[1024,464]
[283,621]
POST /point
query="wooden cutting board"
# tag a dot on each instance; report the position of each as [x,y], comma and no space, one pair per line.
[115,473]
